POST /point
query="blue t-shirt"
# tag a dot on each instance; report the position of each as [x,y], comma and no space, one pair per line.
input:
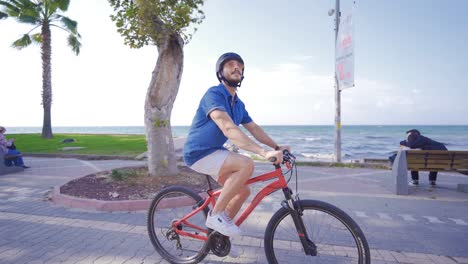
[205,137]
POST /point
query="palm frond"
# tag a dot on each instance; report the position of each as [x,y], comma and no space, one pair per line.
[3,15]
[69,24]
[7,4]
[23,4]
[51,7]
[28,19]
[22,42]
[37,38]
[74,43]
[33,10]
[63,4]
[10,9]
[26,12]
[57,4]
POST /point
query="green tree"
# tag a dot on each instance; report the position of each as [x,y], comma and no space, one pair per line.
[42,14]
[164,23]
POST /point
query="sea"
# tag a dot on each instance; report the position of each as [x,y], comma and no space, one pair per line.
[314,143]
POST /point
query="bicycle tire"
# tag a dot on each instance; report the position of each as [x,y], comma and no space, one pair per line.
[345,244]
[168,205]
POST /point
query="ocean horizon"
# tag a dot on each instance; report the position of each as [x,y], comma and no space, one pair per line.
[311,142]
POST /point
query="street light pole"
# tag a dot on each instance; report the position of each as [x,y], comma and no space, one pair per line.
[337,92]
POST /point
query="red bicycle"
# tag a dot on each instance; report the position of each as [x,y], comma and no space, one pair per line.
[301,231]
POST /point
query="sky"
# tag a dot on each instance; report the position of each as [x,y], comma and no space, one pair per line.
[410,65]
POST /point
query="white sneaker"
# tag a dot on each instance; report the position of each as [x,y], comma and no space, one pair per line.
[413,183]
[223,224]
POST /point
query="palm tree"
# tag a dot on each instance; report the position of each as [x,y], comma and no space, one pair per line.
[42,14]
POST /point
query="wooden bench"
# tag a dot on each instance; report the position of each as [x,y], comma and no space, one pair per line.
[426,160]
[4,169]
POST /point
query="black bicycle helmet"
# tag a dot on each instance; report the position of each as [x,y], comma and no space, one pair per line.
[220,64]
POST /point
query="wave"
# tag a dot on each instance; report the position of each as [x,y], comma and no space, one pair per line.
[325,156]
[313,139]
[377,137]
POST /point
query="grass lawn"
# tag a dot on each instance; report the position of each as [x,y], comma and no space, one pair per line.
[98,144]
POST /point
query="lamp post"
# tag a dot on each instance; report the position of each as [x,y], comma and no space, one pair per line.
[337,157]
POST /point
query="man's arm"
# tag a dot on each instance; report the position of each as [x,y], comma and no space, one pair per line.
[260,135]
[234,134]
[239,138]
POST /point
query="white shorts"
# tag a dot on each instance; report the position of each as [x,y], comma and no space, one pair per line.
[211,164]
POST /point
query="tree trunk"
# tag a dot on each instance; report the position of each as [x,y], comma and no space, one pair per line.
[160,98]
[46,51]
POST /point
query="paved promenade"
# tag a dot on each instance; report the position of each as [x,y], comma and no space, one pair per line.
[428,226]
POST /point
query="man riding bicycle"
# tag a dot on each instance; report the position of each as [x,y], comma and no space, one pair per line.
[216,120]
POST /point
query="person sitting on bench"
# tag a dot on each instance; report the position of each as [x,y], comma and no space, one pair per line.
[7,146]
[417,141]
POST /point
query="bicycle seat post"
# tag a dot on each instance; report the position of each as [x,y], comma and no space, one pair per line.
[209,182]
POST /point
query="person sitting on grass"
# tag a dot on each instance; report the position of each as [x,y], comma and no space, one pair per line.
[9,149]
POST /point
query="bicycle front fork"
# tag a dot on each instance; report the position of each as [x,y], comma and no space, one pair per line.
[296,211]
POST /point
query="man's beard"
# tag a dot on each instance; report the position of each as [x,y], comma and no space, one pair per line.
[234,79]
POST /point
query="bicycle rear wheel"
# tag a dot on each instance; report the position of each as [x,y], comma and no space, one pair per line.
[169,205]
[335,234]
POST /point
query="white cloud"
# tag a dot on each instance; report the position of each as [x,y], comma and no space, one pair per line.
[287,93]
[283,94]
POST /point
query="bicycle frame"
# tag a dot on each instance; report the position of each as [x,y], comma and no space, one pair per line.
[280,183]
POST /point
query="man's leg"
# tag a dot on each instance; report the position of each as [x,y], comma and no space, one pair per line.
[433,177]
[236,170]
[415,175]
[236,203]
[414,178]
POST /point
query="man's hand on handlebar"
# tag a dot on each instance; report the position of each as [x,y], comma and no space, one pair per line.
[275,156]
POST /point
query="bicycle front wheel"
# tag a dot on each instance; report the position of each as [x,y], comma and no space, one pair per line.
[169,205]
[337,237]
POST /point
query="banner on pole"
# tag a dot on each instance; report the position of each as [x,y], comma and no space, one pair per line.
[344,61]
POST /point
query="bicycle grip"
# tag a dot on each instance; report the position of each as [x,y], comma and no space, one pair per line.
[272,159]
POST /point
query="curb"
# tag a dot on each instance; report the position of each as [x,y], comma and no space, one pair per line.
[113,206]
[78,156]
[90,156]
[99,205]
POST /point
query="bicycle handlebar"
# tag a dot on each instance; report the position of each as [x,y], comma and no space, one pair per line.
[287,157]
